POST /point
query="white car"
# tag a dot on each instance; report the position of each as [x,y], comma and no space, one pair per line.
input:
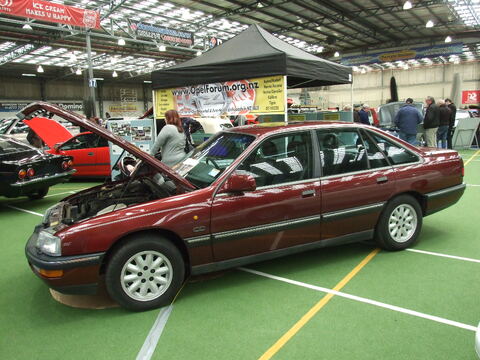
[209,126]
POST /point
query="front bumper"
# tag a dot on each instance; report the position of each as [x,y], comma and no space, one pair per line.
[29,186]
[80,273]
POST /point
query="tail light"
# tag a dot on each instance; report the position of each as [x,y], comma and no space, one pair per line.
[22,173]
[30,172]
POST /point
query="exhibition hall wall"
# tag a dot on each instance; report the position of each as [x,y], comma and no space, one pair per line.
[373,87]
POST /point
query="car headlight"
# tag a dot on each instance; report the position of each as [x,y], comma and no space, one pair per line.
[48,244]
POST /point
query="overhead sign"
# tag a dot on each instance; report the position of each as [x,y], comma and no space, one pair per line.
[51,12]
[471,97]
[405,54]
[15,107]
[16,53]
[162,33]
[239,97]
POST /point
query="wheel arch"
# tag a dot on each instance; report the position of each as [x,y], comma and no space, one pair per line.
[422,200]
[167,234]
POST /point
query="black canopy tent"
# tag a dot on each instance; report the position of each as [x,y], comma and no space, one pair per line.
[254,53]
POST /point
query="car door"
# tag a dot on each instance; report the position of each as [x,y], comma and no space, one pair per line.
[356,182]
[283,211]
[81,148]
[102,157]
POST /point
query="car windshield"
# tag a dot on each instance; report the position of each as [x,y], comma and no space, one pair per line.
[210,159]
[7,146]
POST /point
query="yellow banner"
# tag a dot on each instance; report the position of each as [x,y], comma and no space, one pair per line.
[239,97]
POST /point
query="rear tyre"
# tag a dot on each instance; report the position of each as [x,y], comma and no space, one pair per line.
[399,224]
[40,194]
[145,273]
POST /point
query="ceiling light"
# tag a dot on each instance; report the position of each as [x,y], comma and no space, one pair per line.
[40,69]
[162,48]
[199,53]
[429,24]
[151,64]
[260,5]
[448,39]
[320,49]
[121,42]
[147,81]
[114,74]
[78,72]
[29,75]
[337,54]
[363,71]
[407,5]
[73,57]
[27,27]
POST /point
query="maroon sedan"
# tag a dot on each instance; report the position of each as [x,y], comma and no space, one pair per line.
[247,194]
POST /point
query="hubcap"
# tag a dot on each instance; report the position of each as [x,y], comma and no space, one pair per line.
[146,275]
[402,223]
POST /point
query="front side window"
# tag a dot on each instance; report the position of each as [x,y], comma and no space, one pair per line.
[376,158]
[281,159]
[395,153]
[211,158]
[83,141]
[341,151]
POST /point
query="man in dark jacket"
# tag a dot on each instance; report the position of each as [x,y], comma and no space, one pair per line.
[444,114]
[451,125]
[364,114]
[407,119]
[431,122]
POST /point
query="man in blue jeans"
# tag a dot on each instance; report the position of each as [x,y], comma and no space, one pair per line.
[407,119]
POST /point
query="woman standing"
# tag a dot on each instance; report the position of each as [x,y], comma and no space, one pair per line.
[171,140]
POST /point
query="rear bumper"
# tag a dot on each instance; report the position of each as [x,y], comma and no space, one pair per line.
[29,186]
[79,274]
[441,199]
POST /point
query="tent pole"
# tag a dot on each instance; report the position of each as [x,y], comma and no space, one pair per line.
[285,98]
[351,98]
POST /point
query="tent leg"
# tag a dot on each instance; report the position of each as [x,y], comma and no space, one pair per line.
[285,98]
[351,98]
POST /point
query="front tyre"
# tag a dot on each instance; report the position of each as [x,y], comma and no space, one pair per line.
[399,224]
[145,273]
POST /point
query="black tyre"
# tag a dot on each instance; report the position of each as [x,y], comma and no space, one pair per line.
[39,194]
[399,224]
[145,273]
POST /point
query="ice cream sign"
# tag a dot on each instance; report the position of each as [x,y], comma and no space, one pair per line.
[51,12]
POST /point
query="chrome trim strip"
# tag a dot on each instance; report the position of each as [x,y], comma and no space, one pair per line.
[198,241]
[263,229]
[446,191]
[340,214]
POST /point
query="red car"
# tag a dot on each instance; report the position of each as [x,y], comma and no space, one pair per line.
[90,152]
[247,194]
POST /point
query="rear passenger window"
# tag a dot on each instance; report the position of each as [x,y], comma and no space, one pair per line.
[376,158]
[395,153]
[341,152]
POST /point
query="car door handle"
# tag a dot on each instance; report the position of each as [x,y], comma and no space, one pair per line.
[90,154]
[308,193]
[382,180]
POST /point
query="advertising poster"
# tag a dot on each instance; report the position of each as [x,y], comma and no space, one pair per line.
[471,97]
[51,12]
[238,97]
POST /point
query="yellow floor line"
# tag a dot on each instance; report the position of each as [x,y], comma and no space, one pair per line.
[471,158]
[318,306]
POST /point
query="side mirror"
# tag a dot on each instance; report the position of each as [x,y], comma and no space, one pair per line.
[239,183]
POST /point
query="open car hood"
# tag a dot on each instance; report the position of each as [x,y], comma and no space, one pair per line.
[34,109]
[50,131]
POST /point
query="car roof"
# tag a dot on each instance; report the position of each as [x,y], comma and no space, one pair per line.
[276,127]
